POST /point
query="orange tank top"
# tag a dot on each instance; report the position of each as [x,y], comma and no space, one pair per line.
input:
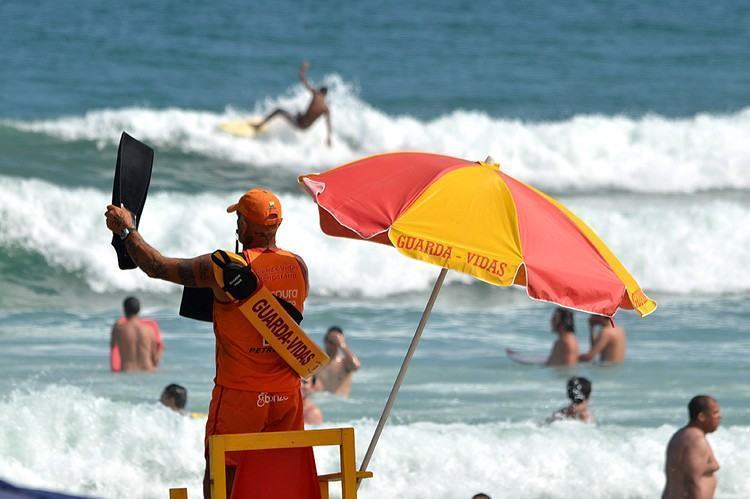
[244,361]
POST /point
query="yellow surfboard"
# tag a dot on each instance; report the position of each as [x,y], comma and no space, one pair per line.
[242,128]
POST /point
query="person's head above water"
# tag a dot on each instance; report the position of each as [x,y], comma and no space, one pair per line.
[330,342]
[599,320]
[331,331]
[562,321]
[481,495]
[323,90]
[258,217]
[174,396]
[704,413]
[579,390]
[131,306]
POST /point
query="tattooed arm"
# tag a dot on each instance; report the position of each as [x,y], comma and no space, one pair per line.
[193,272]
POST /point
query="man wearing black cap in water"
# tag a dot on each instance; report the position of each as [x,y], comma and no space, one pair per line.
[579,391]
[174,396]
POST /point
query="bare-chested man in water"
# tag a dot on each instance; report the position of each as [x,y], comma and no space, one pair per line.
[136,341]
[565,349]
[609,342]
[336,376]
[317,108]
[691,464]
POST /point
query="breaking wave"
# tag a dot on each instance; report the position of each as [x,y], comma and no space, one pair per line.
[587,152]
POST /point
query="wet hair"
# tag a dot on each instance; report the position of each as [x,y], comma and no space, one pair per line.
[481,495]
[698,405]
[333,329]
[565,317]
[177,393]
[131,306]
[602,319]
[323,90]
[579,389]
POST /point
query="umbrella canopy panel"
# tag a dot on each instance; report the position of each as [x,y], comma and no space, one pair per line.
[465,221]
[366,196]
[566,262]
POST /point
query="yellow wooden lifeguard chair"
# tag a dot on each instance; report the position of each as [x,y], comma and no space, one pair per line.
[218,445]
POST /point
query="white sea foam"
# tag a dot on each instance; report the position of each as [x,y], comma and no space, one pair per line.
[682,245]
[647,154]
[64,438]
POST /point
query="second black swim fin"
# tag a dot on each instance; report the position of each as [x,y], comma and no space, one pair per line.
[198,304]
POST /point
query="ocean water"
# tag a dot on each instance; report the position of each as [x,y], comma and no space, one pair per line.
[634,115]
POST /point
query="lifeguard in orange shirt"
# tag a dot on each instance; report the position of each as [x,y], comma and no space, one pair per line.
[255,389]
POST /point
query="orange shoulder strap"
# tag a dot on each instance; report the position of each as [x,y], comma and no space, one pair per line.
[266,314]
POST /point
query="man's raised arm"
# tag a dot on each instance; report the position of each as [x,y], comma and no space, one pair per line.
[303,76]
[596,348]
[192,272]
[351,361]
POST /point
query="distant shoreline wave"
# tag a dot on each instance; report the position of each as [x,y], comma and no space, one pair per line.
[586,153]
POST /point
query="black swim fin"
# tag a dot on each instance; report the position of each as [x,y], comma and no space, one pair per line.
[132,178]
[197,303]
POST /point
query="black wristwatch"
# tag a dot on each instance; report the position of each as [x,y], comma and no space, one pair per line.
[124,233]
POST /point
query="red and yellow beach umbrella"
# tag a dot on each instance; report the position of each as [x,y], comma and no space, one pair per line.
[471,217]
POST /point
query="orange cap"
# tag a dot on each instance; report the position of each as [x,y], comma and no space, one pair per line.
[258,206]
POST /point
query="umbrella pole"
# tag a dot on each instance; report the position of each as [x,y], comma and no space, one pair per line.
[402,371]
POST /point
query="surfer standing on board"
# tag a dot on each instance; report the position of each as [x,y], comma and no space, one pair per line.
[317,108]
